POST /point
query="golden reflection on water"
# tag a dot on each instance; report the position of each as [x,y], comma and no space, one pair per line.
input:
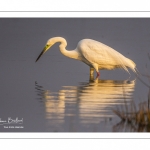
[88,103]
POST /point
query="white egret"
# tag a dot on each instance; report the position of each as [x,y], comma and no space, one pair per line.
[93,53]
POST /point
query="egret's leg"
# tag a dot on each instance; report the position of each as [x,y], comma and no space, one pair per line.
[91,71]
[96,68]
[91,74]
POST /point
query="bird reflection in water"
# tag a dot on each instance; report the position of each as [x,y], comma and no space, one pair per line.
[79,108]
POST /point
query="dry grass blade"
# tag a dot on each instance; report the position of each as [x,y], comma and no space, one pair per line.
[120,114]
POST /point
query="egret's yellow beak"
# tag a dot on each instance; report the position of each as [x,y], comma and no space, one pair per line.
[44,50]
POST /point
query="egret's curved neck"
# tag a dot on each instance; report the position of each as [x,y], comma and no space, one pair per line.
[62,46]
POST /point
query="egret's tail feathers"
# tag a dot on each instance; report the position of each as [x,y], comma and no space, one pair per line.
[126,69]
[136,71]
[132,66]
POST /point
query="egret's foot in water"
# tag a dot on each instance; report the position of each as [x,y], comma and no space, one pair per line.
[98,75]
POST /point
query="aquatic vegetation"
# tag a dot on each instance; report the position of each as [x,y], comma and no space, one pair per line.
[133,118]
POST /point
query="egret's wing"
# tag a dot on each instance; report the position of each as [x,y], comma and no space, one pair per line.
[101,54]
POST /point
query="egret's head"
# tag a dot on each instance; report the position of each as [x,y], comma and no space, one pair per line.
[49,43]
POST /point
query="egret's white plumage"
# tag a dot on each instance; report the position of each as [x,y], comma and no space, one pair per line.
[93,53]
